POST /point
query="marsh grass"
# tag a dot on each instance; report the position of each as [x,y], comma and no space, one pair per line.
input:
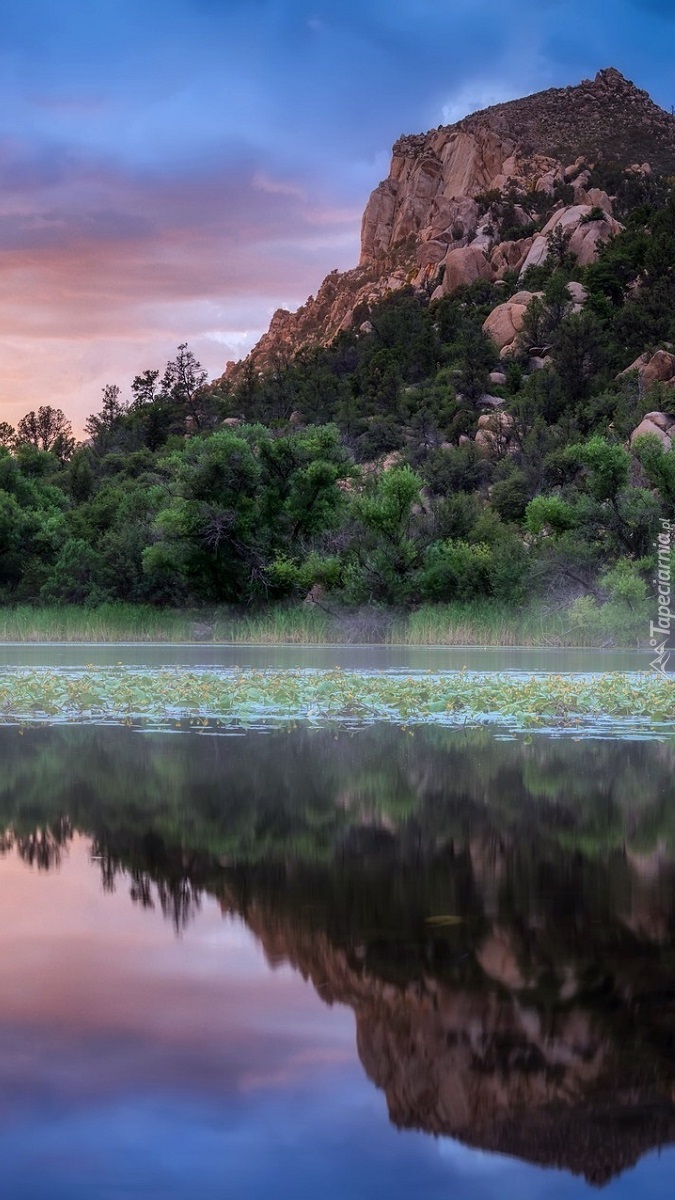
[108,623]
[480,624]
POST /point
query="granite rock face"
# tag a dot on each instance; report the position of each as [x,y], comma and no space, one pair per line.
[432,222]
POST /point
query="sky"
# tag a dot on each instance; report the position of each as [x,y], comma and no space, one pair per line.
[175,170]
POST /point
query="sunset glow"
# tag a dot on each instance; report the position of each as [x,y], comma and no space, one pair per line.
[176,172]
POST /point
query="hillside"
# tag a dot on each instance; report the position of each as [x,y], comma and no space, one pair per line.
[427,225]
[481,412]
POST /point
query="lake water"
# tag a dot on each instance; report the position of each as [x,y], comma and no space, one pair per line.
[334,963]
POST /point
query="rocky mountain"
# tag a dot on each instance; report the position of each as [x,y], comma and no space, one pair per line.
[481,198]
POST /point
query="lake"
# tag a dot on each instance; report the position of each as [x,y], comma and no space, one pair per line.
[335,961]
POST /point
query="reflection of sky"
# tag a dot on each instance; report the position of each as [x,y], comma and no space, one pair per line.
[175,169]
[139,1064]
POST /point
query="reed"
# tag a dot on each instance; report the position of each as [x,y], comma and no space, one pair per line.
[483,623]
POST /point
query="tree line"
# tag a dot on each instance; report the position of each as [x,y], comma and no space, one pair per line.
[359,467]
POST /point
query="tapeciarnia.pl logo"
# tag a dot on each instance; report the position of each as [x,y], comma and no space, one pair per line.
[659,630]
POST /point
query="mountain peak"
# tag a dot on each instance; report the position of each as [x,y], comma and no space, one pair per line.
[605,118]
[610,79]
[439,219]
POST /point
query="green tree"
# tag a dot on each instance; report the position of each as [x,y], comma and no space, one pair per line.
[7,435]
[385,546]
[184,381]
[47,429]
[101,426]
[209,535]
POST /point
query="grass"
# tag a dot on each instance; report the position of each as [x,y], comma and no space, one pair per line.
[612,704]
[480,624]
[108,623]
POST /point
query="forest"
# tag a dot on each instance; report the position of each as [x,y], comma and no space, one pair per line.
[354,470]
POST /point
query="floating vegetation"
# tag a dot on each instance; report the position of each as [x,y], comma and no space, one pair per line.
[218,699]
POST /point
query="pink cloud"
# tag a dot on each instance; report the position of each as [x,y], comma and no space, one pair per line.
[102,274]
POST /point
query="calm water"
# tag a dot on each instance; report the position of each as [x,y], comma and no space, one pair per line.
[328,964]
[405,658]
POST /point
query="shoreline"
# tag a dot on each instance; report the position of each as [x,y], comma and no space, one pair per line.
[444,626]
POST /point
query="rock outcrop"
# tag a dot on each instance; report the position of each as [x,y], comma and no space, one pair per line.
[434,222]
[658,367]
[660,425]
[583,229]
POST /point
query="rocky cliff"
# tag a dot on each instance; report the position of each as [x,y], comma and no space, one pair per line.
[479,198]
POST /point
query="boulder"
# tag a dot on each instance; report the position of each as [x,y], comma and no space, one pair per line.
[546,183]
[664,421]
[536,255]
[586,239]
[658,367]
[648,425]
[484,443]
[496,422]
[465,265]
[572,172]
[431,253]
[497,377]
[494,434]
[578,295]
[509,256]
[506,320]
[584,235]
[579,186]
[599,199]
[483,238]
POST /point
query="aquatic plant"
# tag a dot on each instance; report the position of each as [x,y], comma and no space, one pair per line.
[625,703]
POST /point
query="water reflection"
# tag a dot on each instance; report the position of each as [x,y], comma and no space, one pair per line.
[499,916]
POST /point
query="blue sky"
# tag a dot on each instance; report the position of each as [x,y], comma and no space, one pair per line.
[175,170]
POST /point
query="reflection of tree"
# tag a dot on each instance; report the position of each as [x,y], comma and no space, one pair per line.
[302,792]
[500,916]
[43,847]
[157,875]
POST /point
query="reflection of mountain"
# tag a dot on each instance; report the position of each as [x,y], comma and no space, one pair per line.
[500,916]
[552,1043]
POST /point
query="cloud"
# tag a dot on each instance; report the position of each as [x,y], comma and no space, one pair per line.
[169,166]
[103,271]
[276,187]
